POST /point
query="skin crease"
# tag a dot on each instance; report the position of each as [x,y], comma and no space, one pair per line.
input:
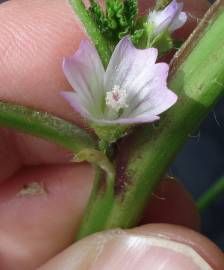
[35,35]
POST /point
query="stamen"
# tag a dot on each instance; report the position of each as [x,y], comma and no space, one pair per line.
[117,98]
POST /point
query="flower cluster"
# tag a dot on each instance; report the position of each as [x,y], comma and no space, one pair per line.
[133,88]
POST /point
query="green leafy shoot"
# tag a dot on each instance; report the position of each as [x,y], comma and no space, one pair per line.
[117,21]
[120,19]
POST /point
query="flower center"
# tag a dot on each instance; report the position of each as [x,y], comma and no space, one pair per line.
[117,98]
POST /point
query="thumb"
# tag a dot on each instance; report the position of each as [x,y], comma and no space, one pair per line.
[156,246]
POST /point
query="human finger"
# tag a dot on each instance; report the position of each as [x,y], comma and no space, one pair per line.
[156,246]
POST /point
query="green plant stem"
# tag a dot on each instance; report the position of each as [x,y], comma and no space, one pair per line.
[211,195]
[197,77]
[102,195]
[46,126]
[101,200]
[102,45]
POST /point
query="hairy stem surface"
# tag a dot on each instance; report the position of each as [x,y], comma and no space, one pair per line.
[46,126]
[102,45]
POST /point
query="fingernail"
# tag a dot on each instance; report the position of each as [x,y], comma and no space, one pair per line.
[125,251]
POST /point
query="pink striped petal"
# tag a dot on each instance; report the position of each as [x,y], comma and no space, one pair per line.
[144,118]
[74,100]
[130,68]
[85,73]
[170,18]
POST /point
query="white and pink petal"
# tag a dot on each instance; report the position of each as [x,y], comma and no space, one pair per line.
[156,103]
[85,72]
[170,18]
[128,65]
[76,103]
[144,118]
[156,83]
[180,20]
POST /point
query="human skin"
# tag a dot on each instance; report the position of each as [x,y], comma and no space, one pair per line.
[35,35]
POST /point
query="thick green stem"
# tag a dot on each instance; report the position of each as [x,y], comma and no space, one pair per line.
[102,45]
[211,195]
[45,126]
[197,78]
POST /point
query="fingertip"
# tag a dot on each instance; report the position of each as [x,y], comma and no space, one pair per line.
[35,36]
[158,246]
[40,210]
[171,203]
[201,244]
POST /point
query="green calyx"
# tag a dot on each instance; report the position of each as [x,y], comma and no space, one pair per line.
[110,134]
[146,38]
[163,42]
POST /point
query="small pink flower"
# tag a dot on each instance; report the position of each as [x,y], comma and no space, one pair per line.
[133,89]
[171,18]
